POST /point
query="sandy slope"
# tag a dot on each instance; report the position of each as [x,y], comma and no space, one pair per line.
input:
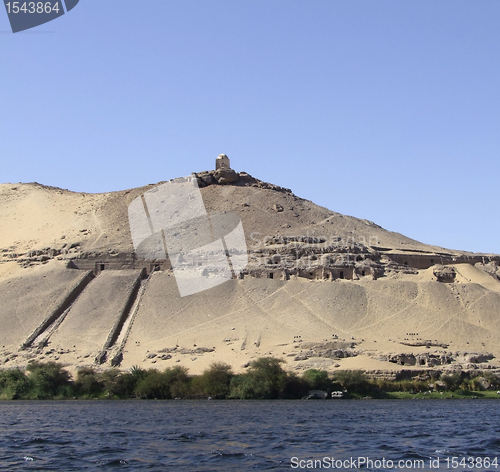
[255,317]
[27,299]
[91,318]
[241,319]
[33,216]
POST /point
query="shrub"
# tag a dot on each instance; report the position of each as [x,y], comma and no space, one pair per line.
[452,381]
[88,382]
[153,385]
[352,380]
[265,379]
[241,387]
[48,380]
[116,383]
[172,383]
[179,381]
[317,379]
[294,387]
[493,379]
[215,381]
[13,384]
[123,386]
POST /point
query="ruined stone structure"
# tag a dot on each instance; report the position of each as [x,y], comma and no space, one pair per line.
[305,257]
[318,258]
[221,162]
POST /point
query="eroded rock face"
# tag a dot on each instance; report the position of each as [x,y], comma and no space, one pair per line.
[245,177]
[328,350]
[205,180]
[444,274]
[473,357]
[225,176]
[459,359]
[490,268]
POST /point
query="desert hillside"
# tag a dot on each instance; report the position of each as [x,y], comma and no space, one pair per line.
[320,289]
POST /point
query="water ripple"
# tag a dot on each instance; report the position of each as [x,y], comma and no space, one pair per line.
[235,435]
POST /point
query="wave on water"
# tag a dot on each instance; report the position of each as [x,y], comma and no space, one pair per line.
[237,435]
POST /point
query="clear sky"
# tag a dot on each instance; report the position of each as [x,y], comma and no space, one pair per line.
[385,110]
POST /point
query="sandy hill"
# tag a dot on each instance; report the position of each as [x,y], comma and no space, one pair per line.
[321,289]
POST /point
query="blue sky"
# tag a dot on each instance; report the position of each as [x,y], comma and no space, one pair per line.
[385,110]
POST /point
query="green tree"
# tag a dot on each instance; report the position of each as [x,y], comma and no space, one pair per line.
[153,385]
[117,384]
[88,383]
[172,383]
[138,373]
[295,387]
[123,386]
[215,381]
[179,382]
[317,379]
[241,386]
[264,379]
[13,384]
[48,380]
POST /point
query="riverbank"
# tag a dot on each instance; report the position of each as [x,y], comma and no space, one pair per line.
[264,378]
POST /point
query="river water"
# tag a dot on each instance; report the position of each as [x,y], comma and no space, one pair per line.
[249,435]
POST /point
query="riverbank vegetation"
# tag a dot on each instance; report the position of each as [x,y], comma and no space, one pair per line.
[265,378]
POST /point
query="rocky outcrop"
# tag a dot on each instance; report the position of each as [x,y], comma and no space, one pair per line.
[491,268]
[327,350]
[473,357]
[183,350]
[462,359]
[444,274]
[227,176]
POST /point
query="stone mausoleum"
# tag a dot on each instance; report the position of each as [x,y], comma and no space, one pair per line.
[222,161]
